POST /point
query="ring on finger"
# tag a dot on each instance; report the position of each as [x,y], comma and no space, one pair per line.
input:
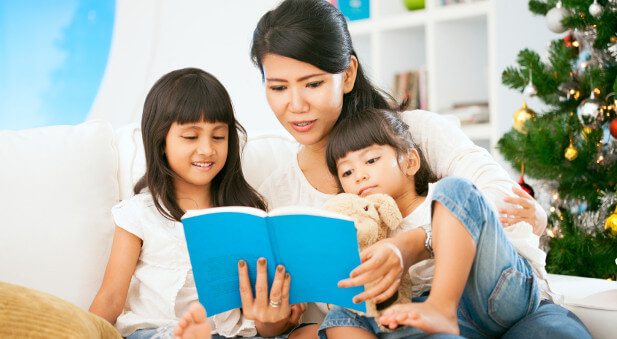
[275,304]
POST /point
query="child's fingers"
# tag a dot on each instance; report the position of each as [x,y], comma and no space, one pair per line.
[261,284]
[388,292]
[246,291]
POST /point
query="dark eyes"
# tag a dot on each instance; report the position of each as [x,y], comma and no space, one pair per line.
[195,138]
[314,84]
[372,160]
[309,85]
[346,173]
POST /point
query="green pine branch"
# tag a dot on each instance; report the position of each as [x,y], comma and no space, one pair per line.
[576,252]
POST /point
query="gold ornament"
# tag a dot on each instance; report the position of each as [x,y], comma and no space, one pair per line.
[571,152]
[521,116]
[611,222]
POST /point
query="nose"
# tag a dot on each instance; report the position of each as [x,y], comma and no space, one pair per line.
[205,147]
[361,175]
[297,102]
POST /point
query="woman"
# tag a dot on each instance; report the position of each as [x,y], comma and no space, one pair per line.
[313,79]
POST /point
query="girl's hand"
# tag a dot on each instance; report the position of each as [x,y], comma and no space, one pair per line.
[272,313]
[525,209]
[380,263]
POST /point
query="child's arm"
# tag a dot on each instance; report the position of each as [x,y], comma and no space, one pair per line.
[109,300]
[379,261]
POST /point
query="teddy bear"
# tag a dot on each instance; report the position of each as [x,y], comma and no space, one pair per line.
[374,216]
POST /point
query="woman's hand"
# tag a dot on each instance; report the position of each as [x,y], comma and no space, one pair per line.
[526,209]
[272,314]
[381,263]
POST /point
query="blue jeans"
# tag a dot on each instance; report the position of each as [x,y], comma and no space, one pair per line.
[501,289]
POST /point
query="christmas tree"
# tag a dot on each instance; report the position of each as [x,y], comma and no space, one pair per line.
[570,148]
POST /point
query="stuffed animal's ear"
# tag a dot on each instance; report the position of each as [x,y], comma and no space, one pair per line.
[387,209]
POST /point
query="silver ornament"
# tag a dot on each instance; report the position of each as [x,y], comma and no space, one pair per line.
[530,90]
[595,9]
[554,17]
[588,111]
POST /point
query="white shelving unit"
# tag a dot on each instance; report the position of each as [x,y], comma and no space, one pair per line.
[455,43]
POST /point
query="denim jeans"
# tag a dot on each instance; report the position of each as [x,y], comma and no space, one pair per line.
[501,292]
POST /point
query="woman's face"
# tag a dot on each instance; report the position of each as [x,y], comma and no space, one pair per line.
[306,100]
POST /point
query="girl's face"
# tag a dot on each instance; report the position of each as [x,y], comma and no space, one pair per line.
[196,152]
[376,169]
[306,100]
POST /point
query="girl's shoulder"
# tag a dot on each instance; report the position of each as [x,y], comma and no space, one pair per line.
[143,199]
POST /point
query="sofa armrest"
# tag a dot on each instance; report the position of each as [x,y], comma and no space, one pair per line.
[594,301]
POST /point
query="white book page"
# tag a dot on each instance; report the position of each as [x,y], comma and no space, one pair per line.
[293,210]
[236,209]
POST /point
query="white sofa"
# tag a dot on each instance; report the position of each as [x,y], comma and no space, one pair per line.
[59,183]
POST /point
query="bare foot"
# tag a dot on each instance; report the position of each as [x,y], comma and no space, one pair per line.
[424,316]
[194,323]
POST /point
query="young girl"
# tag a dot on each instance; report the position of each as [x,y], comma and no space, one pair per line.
[192,149]
[480,286]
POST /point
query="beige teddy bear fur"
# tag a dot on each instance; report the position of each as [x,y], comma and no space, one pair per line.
[374,216]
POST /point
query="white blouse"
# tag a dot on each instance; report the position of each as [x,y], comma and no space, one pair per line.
[162,286]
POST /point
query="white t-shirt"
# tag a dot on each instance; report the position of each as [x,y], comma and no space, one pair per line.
[162,286]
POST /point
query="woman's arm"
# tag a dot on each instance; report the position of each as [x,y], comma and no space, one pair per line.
[381,263]
[109,300]
[450,152]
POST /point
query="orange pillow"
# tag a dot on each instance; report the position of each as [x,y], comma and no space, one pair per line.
[25,312]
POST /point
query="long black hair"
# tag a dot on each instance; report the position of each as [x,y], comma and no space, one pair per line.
[376,127]
[184,96]
[315,32]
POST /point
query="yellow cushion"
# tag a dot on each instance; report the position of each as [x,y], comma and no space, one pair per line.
[28,313]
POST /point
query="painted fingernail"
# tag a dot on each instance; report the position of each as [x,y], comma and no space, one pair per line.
[262,261]
[287,276]
[241,263]
[280,268]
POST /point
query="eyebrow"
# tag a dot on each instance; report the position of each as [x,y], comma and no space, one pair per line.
[197,127]
[299,79]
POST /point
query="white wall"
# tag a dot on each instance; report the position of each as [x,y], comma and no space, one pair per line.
[153,37]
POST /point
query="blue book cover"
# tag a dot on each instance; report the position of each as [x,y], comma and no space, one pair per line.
[318,249]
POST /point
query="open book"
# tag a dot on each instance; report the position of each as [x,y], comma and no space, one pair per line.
[318,248]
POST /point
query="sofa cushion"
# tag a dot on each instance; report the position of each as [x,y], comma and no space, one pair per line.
[58,185]
[28,313]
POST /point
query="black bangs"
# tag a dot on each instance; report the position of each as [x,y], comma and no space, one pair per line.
[356,132]
[200,98]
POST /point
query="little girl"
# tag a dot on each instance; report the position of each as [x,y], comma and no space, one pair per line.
[192,149]
[480,286]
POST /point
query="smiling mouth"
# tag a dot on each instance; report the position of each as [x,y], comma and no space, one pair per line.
[202,164]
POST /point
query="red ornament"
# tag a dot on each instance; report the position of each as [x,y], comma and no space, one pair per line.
[567,40]
[525,186]
[613,128]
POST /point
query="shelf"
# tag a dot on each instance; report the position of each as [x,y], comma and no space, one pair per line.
[452,43]
[461,11]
